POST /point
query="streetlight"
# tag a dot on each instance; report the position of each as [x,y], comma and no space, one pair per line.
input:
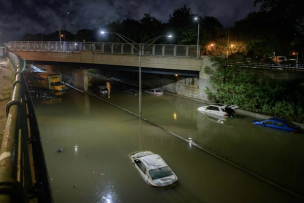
[294,53]
[140,50]
[198,27]
[60,35]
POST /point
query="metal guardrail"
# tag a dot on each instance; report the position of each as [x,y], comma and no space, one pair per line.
[272,66]
[15,171]
[105,48]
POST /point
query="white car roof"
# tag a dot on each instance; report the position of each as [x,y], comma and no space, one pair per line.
[154,161]
[219,105]
[216,106]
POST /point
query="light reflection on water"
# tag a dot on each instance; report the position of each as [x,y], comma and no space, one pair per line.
[97,139]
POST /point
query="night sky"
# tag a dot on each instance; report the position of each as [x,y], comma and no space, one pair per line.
[18,17]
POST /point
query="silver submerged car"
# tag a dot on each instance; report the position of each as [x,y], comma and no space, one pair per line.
[155,91]
[153,169]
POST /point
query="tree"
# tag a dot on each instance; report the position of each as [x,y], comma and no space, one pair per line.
[291,10]
[150,27]
[182,25]
[211,33]
[132,29]
[85,35]
[265,34]
[28,37]
[181,17]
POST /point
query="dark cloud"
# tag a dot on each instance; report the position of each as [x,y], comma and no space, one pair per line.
[36,16]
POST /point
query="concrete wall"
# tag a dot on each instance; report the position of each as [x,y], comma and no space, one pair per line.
[192,87]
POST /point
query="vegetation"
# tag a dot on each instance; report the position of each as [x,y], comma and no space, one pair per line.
[277,28]
[246,88]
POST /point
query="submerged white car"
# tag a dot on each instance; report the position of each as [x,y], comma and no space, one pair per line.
[219,109]
[103,89]
[153,169]
[155,91]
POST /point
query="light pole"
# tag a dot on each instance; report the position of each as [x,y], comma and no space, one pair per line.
[59,26]
[140,50]
[198,28]
[294,53]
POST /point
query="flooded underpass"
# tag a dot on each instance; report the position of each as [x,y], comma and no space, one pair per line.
[97,139]
[97,136]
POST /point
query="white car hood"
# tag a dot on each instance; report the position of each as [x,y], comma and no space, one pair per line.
[202,108]
[165,181]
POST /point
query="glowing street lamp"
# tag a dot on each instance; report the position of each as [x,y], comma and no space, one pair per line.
[60,35]
[140,50]
[294,53]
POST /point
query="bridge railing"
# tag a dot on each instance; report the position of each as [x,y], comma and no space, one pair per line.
[15,172]
[105,47]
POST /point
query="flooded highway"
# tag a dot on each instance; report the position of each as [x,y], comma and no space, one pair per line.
[97,139]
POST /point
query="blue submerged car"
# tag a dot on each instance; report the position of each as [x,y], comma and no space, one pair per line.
[278,123]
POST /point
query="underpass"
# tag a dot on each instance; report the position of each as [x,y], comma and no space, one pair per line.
[234,144]
[97,139]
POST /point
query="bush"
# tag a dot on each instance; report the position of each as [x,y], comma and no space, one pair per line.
[235,84]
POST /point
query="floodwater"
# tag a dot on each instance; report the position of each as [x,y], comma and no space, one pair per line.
[97,138]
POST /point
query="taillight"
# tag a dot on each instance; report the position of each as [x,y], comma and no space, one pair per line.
[226,114]
[295,131]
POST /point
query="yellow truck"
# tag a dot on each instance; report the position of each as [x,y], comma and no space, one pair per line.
[51,81]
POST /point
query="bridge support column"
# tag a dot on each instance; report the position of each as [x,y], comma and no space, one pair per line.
[85,80]
[204,79]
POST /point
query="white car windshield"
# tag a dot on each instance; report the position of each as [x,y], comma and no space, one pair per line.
[160,172]
[157,90]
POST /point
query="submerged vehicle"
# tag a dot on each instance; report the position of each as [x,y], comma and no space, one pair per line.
[155,91]
[279,124]
[45,80]
[46,96]
[131,92]
[102,89]
[219,109]
[153,169]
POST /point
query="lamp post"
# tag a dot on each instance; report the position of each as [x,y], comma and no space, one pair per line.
[140,50]
[294,53]
[59,26]
[198,28]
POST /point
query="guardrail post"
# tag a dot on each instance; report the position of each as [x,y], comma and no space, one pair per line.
[153,50]
[187,51]
[93,47]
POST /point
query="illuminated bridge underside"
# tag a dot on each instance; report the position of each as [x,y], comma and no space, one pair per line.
[173,63]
